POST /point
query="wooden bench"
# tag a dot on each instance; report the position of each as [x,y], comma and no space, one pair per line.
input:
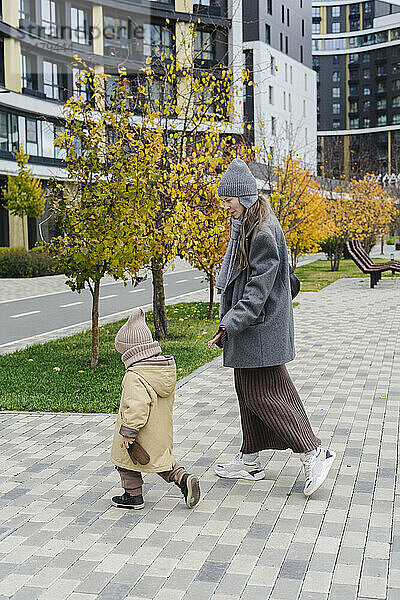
[367,265]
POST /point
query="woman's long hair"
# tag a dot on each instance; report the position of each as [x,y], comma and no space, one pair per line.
[256,213]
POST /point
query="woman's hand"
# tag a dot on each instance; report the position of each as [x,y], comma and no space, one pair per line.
[126,441]
[217,338]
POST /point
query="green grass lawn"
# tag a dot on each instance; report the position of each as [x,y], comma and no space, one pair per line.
[318,275]
[57,376]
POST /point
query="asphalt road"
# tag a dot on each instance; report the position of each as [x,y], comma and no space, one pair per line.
[26,317]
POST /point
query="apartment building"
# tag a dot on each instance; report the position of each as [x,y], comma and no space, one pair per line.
[356,55]
[281,105]
[38,42]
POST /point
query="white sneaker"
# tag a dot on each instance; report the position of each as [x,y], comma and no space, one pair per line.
[238,469]
[316,468]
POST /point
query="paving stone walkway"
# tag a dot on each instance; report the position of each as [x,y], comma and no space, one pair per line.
[60,538]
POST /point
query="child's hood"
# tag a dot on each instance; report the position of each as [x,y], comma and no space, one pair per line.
[161,379]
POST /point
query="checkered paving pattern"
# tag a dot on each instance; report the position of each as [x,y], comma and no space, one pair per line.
[61,539]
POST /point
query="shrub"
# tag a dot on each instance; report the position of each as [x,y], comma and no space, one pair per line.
[18,262]
[392,240]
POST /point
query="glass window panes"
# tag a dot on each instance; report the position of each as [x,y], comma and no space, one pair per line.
[116,36]
[366,122]
[366,57]
[382,120]
[336,92]
[367,7]
[335,11]
[381,88]
[354,24]
[396,68]
[27,72]
[336,124]
[79,88]
[316,12]
[396,119]
[26,10]
[336,76]
[336,108]
[50,79]
[354,58]
[367,91]
[32,136]
[366,73]
[335,27]
[48,139]
[50,18]
[79,26]
[316,28]
[354,123]
[3,132]
[381,104]
[353,106]
[157,39]
[396,102]
[335,44]
[367,105]
[396,85]
[381,70]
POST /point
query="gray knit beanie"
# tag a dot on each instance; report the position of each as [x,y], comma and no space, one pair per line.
[239,182]
[134,340]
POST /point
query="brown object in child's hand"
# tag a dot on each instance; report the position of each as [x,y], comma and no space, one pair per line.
[138,454]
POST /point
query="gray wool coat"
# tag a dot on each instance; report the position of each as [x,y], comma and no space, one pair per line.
[256,306]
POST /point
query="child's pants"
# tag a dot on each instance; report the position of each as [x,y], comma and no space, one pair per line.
[132,481]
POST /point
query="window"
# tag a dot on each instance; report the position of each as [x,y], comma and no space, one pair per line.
[353,107]
[367,23]
[304,108]
[367,105]
[158,39]
[396,85]
[396,119]
[267,34]
[286,72]
[301,54]
[291,74]
[316,12]
[366,73]
[32,137]
[335,44]
[381,88]
[281,42]
[283,13]
[396,102]
[354,25]
[290,102]
[354,9]
[381,70]
[317,45]
[336,59]
[367,7]
[336,92]
[51,17]
[26,10]
[366,57]
[336,76]
[336,124]
[273,125]
[79,88]
[367,91]
[336,108]
[395,68]
[366,122]
[335,27]
[315,62]
[3,132]
[79,26]
[271,94]
[335,11]
[315,28]
[287,44]
[272,65]
[305,81]
[303,28]
[116,37]
[28,75]
[53,81]
[353,90]
[354,123]
[382,120]
[381,104]
[284,100]
[353,58]
[269,7]
[288,17]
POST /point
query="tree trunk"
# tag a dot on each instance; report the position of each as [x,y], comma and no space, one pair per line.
[159,309]
[336,260]
[211,299]
[95,324]
[382,244]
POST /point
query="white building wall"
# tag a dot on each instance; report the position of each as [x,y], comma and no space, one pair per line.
[285,105]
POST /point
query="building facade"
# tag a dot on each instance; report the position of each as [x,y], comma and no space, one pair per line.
[356,55]
[281,105]
[38,42]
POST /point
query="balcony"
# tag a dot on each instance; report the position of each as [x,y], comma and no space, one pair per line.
[212,11]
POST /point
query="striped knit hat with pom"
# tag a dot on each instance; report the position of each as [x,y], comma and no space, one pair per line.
[134,340]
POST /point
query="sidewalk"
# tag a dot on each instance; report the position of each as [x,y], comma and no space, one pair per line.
[60,538]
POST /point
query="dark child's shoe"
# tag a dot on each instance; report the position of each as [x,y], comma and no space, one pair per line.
[128,501]
[190,488]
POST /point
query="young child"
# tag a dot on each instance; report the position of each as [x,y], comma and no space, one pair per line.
[144,428]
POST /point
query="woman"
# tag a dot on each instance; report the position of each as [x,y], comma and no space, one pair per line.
[257,337]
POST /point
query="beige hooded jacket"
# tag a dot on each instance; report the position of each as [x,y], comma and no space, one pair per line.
[147,400]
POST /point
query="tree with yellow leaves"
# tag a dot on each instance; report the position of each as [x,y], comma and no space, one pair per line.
[299,207]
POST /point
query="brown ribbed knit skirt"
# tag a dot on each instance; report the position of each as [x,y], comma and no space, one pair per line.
[271,411]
